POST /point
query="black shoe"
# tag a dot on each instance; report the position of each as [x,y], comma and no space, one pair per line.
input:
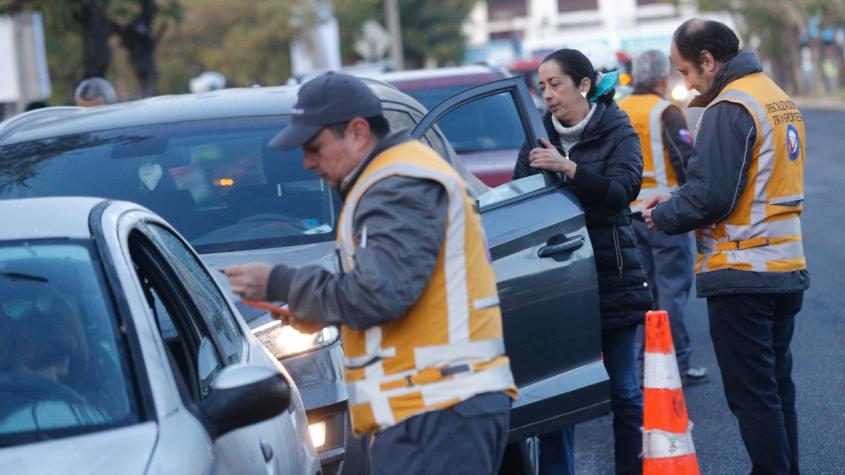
[694,375]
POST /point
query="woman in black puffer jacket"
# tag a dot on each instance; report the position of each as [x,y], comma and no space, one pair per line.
[594,145]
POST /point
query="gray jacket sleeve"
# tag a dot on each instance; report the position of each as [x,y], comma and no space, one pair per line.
[405,222]
[717,171]
[675,134]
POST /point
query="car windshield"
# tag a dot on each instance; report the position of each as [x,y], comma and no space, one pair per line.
[215,181]
[64,366]
[480,126]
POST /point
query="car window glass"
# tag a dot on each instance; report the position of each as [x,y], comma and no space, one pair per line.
[402,119]
[65,367]
[206,294]
[183,332]
[486,134]
[512,190]
[216,181]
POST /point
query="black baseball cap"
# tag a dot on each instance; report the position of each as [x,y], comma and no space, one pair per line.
[330,98]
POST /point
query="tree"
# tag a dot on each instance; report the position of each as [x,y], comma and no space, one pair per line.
[430,33]
[249,45]
[779,27]
[140,25]
[433,34]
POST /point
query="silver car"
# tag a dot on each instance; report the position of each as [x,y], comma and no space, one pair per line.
[119,353]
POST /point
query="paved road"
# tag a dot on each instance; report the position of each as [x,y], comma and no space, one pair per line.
[818,344]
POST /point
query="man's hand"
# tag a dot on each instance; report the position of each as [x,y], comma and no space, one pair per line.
[648,208]
[548,158]
[249,280]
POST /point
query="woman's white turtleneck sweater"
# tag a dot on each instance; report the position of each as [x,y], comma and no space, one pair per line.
[569,136]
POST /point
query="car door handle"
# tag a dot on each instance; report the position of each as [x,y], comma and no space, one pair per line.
[569,245]
[267,451]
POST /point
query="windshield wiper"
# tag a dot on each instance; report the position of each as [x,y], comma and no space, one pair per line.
[22,276]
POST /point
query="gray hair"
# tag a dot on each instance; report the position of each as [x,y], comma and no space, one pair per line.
[650,67]
[93,88]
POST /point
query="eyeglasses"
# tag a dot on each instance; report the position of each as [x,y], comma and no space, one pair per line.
[18,308]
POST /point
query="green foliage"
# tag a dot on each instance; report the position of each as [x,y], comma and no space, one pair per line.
[430,29]
[351,15]
[248,42]
[433,31]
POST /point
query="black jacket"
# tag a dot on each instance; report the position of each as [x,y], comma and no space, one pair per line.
[717,174]
[608,178]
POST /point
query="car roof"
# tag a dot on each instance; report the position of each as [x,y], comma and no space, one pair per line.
[417,74]
[220,104]
[42,218]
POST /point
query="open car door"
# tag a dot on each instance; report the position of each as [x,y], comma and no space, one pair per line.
[545,274]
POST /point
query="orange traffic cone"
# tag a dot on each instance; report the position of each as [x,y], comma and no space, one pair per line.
[667,436]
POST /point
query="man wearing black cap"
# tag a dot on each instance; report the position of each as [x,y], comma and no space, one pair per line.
[415,295]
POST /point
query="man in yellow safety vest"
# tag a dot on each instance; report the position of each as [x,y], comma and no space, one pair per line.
[415,297]
[744,195]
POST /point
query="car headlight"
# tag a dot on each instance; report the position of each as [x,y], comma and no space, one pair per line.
[284,341]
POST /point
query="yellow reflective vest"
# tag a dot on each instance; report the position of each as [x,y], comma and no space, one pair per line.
[449,346]
[645,112]
[763,232]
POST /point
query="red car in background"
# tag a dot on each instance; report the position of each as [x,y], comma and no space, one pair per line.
[486,134]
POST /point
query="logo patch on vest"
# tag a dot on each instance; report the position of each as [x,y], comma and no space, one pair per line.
[793,142]
[685,135]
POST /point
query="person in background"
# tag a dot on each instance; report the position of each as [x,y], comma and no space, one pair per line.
[593,144]
[744,196]
[416,297]
[93,92]
[667,145]
[35,105]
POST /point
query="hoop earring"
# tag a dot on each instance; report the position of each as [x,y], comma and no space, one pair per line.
[584,94]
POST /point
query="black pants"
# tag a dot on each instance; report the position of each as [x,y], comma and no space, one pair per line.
[751,335]
[467,438]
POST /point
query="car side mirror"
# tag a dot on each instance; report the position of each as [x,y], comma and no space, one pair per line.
[243,395]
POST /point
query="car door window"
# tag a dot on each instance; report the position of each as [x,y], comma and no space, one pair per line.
[486,126]
[408,119]
[188,340]
[206,294]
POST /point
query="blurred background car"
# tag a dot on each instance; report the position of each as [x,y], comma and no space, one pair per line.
[201,162]
[119,352]
[483,133]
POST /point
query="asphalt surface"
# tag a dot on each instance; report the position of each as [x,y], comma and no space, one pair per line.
[819,360]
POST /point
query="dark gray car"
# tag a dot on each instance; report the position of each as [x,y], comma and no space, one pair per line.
[202,163]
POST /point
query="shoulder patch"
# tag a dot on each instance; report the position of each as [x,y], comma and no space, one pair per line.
[793,142]
[685,135]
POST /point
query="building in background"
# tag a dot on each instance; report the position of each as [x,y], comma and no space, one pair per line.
[600,28]
[23,63]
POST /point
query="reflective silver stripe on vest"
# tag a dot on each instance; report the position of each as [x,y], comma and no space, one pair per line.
[436,356]
[767,152]
[655,130]
[759,257]
[771,229]
[486,302]
[455,260]
[791,200]
[363,361]
[461,386]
